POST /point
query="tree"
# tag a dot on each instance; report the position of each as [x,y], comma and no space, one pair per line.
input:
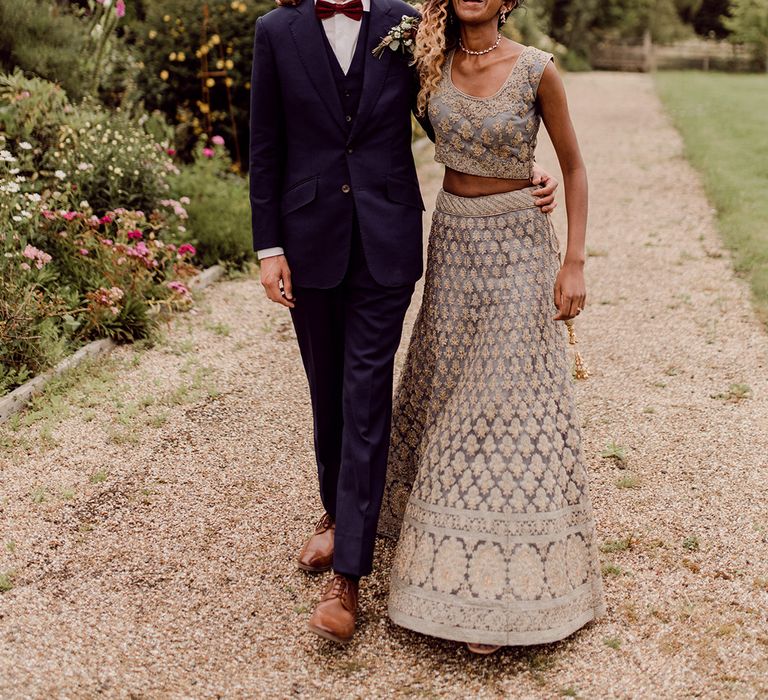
[708,19]
[176,43]
[748,24]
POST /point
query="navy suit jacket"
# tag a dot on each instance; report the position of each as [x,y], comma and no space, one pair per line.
[311,174]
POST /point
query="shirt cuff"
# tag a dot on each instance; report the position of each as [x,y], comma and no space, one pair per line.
[269,253]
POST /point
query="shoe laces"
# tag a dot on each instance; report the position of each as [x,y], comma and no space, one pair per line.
[339,585]
[325,523]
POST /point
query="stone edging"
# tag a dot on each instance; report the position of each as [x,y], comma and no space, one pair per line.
[21,396]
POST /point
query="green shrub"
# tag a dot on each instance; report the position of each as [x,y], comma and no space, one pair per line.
[40,37]
[219,212]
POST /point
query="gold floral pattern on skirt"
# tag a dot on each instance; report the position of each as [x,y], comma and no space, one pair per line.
[487,486]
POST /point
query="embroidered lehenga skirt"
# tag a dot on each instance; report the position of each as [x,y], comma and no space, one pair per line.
[487,486]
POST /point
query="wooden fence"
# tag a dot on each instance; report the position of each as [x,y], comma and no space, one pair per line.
[697,54]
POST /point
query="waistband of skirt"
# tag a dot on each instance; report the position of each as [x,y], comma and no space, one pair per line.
[487,205]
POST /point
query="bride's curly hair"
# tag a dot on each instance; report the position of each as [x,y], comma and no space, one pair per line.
[438,33]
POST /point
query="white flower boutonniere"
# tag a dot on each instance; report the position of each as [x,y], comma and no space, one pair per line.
[402,37]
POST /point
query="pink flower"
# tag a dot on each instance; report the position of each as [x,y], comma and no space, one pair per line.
[40,258]
[185,248]
[83,251]
[217,140]
[135,234]
[120,8]
[69,215]
[171,151]
[170,247]
[106,219]
[25,266]
[48,214]
[178,288]
[209,152]
[107,241]
[30,252]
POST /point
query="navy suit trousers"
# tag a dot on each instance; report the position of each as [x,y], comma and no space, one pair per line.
[348,336]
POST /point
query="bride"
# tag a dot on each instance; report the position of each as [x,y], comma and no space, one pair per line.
[487,485]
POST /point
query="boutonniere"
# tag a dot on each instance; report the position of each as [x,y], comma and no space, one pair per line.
[402,37]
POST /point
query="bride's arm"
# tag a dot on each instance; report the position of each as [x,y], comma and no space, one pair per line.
[570,289]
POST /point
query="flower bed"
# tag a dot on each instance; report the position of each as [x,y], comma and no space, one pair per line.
[91,240]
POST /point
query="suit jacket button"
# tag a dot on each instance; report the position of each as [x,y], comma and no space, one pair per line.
[350,151]
[345,189]
[348,118]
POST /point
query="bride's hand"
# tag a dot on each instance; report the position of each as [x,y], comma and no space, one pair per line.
[570,291]
[545,195]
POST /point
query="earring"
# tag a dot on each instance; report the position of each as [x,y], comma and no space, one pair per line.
[502,18]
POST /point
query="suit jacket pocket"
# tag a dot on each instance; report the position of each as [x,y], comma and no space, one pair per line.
[299,195]
[404,192]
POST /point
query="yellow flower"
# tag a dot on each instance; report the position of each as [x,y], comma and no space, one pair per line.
[181,56]
[230,64]
[172,56]
[164,75]
[215,39]
[210,82]
[229,82]
[219,64]
[167,18]
[235,5]
[152,34]
[242,7]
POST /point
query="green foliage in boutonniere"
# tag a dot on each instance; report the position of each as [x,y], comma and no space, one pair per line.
[402,38]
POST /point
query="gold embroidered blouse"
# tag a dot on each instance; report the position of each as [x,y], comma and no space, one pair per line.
[491,136]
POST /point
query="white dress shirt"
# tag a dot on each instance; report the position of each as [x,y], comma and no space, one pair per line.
[342,33]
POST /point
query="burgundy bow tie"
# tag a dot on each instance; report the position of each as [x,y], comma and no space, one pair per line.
[352,9]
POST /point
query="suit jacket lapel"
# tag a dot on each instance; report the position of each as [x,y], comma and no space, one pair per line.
[376,69]
[305,30]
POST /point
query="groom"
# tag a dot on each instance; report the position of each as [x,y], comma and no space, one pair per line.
[337,224]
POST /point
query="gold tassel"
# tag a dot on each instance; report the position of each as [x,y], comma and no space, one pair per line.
[580,369]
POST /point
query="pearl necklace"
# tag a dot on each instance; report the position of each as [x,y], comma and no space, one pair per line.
[484,51]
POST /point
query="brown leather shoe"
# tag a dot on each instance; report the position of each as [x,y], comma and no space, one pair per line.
[334,616]
[317,554]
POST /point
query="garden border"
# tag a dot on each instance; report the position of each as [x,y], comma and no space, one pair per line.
[22,395]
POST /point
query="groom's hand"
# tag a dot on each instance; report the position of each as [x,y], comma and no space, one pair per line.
[545,195]
[276,280]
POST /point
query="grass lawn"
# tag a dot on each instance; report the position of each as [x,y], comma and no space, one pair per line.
[724,122]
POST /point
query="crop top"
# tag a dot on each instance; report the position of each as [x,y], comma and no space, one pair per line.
[493,136]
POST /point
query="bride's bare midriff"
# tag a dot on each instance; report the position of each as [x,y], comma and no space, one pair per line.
[465,185]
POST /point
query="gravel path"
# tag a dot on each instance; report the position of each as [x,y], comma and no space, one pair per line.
[151,507]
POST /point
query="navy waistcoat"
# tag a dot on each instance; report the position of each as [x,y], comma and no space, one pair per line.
[350,85]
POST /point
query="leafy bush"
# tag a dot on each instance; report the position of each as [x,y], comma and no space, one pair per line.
[219,211]
[40,37]
[84,152]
